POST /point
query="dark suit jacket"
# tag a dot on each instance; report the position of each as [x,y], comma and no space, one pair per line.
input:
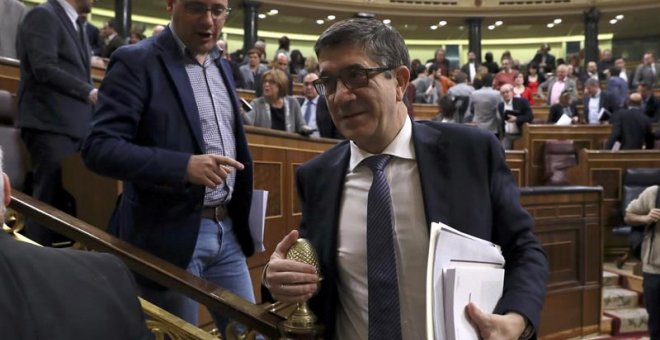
[632,128]
[95,43]
[549,62]
[53,94]
[63,294]
[606,101]
[144,131]
[112,46]
[452,186]
[324,121]
[521,109]
[652,108]
[466,69]
[557,110]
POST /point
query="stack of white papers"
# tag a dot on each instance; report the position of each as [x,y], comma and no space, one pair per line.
[257,218]
[564,120]
[461,269]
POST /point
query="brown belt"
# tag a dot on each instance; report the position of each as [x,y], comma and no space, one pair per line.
[217,213]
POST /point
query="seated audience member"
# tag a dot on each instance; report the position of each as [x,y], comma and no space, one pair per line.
[490,64]
[253,70]
[275,109]
[631,127]
[514,112]
[64,294]
[645,211]
[556,85]
[533,78]
[520,90]
[137,34]
[617,86]
[565,107]
[598,105]
[311,66]
[406,174]
[315,110]
[505,76]
[483,107]
[297,63]
[650,104]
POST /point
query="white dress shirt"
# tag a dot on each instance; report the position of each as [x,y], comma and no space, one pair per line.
[70,12]
[411,237]
[594,107]
[473,71]
[312,118]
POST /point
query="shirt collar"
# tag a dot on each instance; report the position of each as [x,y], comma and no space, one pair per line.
[597,95]
[315,100]
[400,147]
[70,12]
[215,52]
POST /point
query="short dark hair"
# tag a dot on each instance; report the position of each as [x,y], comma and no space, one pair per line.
[460,77]
[254,51]
[382,43]
[615,70]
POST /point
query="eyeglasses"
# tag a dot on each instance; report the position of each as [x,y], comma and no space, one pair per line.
[198,8]
[352,77]
[270,82]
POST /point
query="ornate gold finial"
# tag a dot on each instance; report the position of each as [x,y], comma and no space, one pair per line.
[302,319]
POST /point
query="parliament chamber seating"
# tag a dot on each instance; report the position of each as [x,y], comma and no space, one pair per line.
[560,155]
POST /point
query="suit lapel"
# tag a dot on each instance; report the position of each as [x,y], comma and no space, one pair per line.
[66,21]
[172,59]
[434,172]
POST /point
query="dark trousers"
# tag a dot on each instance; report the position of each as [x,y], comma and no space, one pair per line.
[47,151]
[652,303]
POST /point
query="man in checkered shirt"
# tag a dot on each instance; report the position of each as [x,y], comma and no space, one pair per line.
[168,125]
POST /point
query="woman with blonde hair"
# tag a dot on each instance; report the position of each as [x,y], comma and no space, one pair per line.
[275,109]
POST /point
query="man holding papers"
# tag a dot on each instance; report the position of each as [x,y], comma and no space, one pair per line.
[407,174]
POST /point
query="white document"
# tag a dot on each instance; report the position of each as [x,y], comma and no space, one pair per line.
[479,285]
[616,146]
[564,120]
[257,218]
[450,248]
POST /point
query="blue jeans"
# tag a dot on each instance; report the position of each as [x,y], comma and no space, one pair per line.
[652,303]
[217,258]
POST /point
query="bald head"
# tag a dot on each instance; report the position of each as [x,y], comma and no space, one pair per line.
[282,62]
[635,100]
[308,86]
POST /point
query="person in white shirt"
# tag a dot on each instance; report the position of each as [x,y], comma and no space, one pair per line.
[407,174]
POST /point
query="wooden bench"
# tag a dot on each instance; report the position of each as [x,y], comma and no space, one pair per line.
[534,137]
[568,226]
[605,168]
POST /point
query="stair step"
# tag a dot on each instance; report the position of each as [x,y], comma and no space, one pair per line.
[628,320]
[606,324]
[610,279]
[615,298]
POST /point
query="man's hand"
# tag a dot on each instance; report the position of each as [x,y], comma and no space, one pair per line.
[496,327]
[210,170]
[288,280]
[653,216]
[93,96]
[511,118]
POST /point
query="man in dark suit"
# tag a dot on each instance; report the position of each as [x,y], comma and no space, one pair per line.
[598,105]
[471,67]
[650,104]
[55,95]
[544,59]
[111,38]
[93,36]
[315,110]
[168,124]
[369,290]
[631,127]
[64,294]
[515,112]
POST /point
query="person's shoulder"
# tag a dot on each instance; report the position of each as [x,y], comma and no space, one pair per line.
[135,53]
[455,133]
[330,156]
